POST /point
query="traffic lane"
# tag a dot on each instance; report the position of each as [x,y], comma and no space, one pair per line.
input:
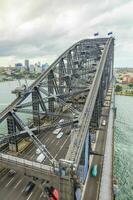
[59,143]
[93,182]
[15,182]
[51,138]
[56,147]
[28,196]
[13,187]
[63,151]
[32,148]
[53,145]
[48,141]
[9,187]
[12,191]
[20,187]
[37,193]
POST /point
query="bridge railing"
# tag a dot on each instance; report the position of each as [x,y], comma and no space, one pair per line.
[26,165]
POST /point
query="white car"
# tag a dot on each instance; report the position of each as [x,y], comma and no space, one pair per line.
[104,122]
[38,151]
[40,158]
[56,131]
[59,135]
[62,120]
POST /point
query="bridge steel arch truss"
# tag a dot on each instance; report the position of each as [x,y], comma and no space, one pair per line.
[78,80]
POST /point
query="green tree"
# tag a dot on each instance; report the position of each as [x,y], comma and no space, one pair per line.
[118,88]
[130,85]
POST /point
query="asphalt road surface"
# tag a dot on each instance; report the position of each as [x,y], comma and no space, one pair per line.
[12,187]
[92,187]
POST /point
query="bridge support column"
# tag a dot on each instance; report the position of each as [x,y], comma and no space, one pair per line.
[11,125]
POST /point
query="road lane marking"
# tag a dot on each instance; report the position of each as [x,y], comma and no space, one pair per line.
[32,156]
[9,182]
[22,190]
[61,147]
[41,194]
[52,141]
[47,140]
[57,143]
[29,196]
[18,183]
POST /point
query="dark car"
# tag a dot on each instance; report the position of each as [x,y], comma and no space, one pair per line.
[11,173]
[29,187]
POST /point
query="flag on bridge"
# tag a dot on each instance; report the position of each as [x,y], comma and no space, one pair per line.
[96,34]
[110,33]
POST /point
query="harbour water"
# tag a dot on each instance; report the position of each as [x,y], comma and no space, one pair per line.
[123,161]
[6,97]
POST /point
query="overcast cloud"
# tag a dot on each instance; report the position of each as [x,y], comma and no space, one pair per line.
[41,30]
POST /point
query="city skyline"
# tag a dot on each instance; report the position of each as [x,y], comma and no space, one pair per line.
[42,31]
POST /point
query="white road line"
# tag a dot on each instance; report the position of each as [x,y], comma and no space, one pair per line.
[18,183]
[41,194]
[32,149]
[32,156]
[57,143]
[52,141]
[61,146]
[29,196]
[22,190]
[47,140]
[9,182]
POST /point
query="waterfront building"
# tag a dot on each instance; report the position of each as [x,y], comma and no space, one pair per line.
[127,79]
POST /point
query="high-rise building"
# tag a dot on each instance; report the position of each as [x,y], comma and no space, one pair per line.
[44,66]
[27,64]
[18,66]
[32,68]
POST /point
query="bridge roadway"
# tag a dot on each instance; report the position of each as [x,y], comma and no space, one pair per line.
[13,187]
[93,183]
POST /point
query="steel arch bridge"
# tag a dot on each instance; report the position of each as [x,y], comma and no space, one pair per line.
[69,95]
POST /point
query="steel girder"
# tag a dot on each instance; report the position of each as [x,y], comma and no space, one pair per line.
[99,84]
[78,60]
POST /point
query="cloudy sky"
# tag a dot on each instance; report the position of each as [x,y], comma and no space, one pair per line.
[43,29]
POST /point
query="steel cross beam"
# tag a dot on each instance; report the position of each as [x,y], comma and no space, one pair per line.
[36,141]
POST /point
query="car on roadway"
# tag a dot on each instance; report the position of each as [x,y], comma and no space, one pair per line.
[59,135]
[94,170]
[29,187]
[104,122]
[56,131]
[38,151]
[62,120]
[40,158]
[12,172]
